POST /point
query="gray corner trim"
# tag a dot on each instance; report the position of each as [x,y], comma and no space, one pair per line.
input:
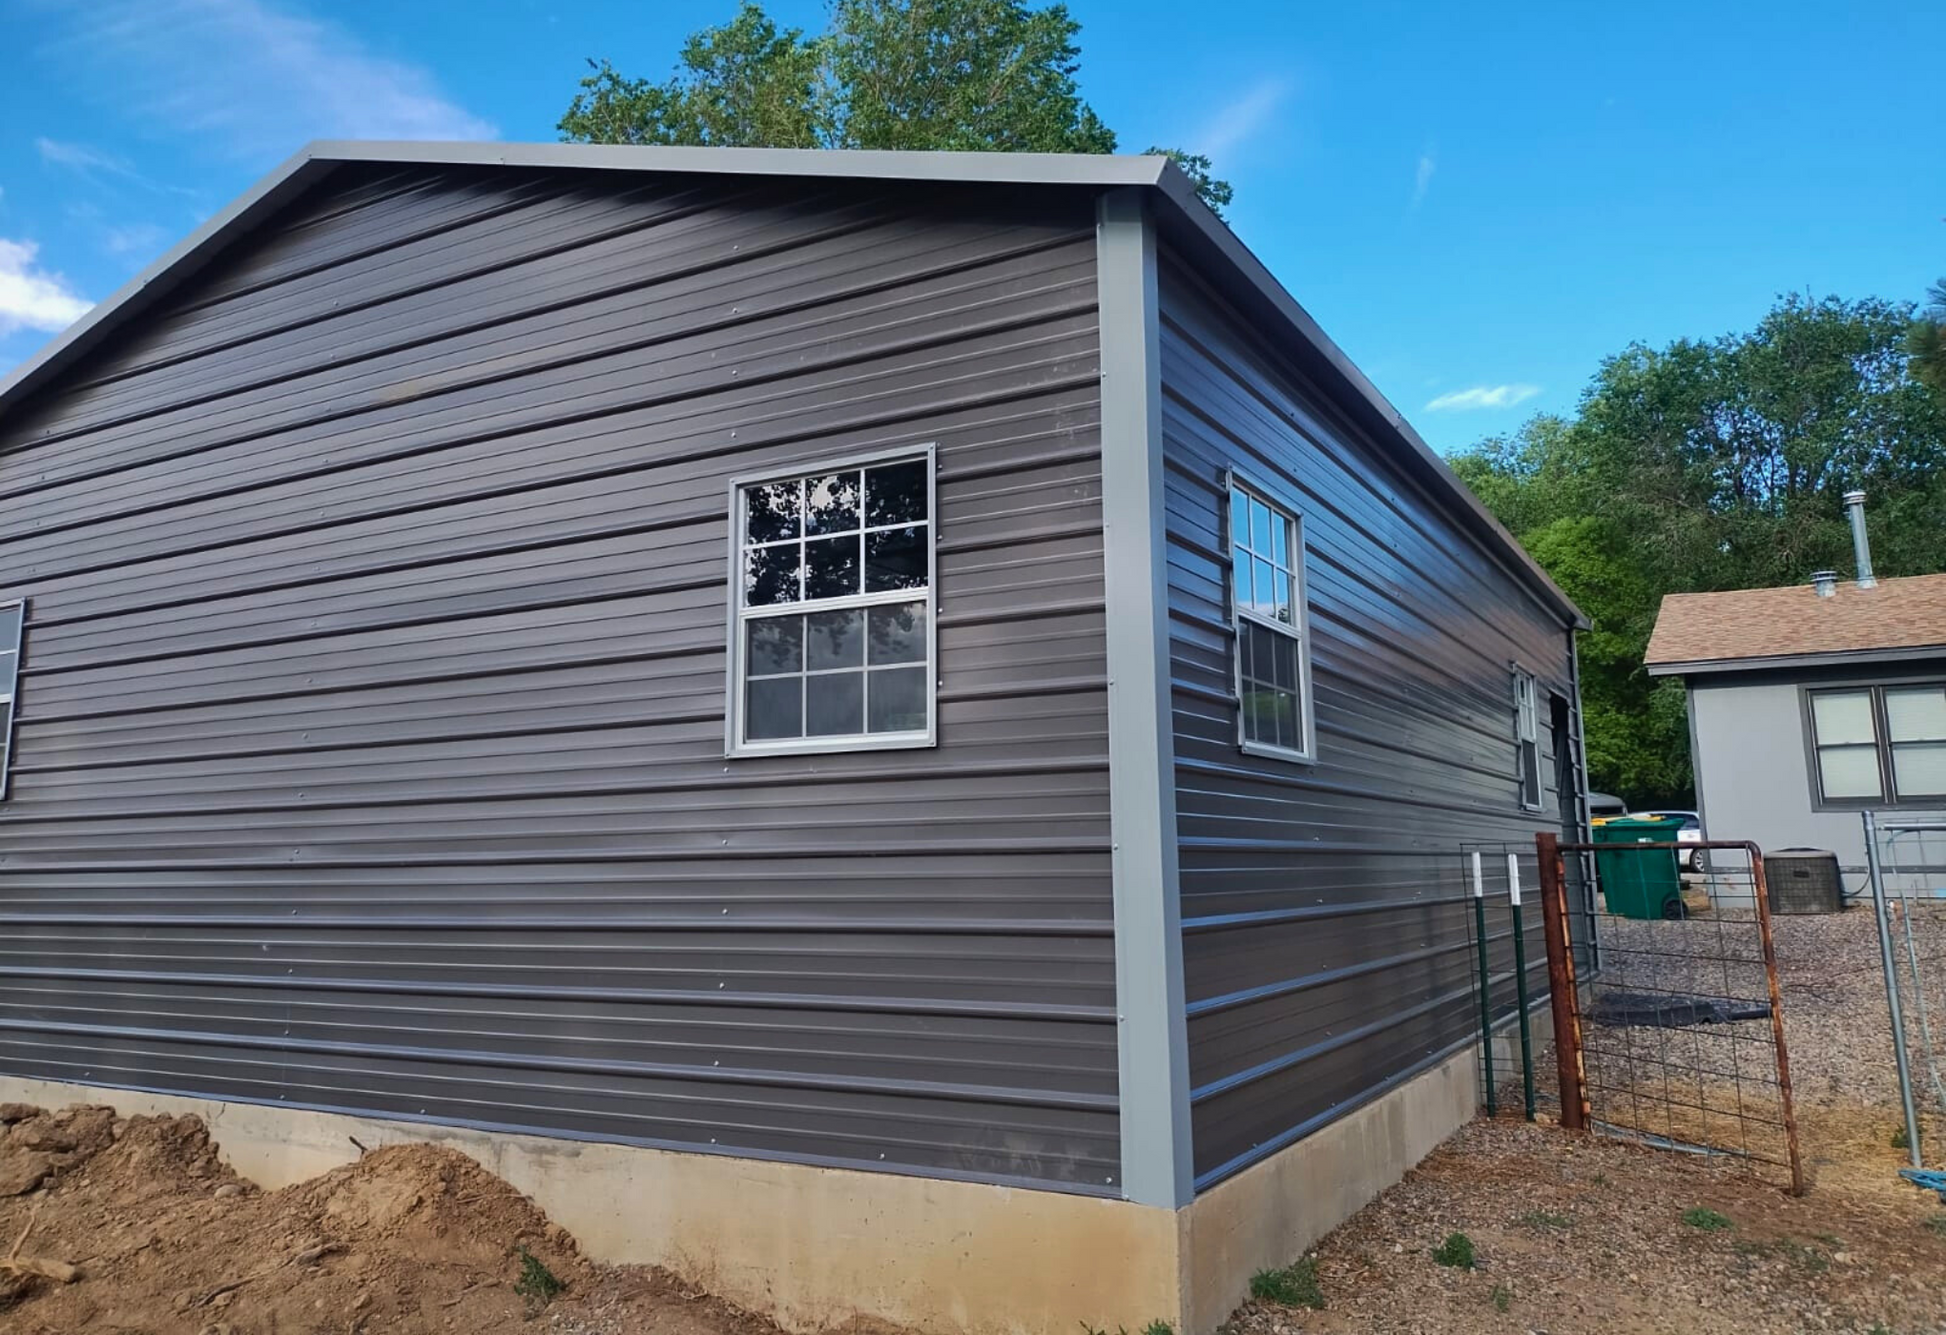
[1696,761]
[1157,1165]
[1835,658]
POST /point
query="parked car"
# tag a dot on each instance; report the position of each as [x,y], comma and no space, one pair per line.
[1691,832]
[1602,805]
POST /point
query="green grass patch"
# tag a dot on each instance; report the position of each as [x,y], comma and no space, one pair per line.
[1456,1252]
[1503,1298]
[1937,1224]
[1295,1285]
[537,1284]
[1158,1327]
[1709,1221]
[1900,1140]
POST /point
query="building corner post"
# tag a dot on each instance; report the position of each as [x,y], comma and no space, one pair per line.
[1152,1031]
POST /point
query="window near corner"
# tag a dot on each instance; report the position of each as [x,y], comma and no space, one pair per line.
[1880,744]
[1527,738]
[12,618]
[1273,667]
[833,641]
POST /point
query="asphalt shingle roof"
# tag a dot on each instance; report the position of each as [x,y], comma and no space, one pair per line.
[1791,622]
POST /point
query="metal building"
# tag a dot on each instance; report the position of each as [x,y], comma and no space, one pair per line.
[917,663]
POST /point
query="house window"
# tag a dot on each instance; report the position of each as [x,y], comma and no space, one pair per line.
[833,639]
[1273,661]
[1880,744]
[1527,738]
[12,618]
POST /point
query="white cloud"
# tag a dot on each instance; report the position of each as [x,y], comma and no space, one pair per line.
[32,297]
[1482,396]
[1239,119]
[1422,177]
[258,77]
[143,240]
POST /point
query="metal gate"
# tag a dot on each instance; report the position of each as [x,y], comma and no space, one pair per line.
[1679,1041]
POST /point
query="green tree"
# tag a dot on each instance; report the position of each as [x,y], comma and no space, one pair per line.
[956,75]
[1712,465]
[1926,340]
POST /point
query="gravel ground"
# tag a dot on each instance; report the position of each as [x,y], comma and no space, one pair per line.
[1574,1235]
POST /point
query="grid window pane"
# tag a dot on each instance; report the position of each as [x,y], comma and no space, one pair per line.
[1916,715]
[776,644]
[1280,545]
[831,567]
[896,494]
[898,700]
[771,575]
[1919,769]
[834,639]
[771,512]
[1844,717]
[775,708]
[895,559]
[897,634]
[9,625]
[1259,526]
[834,704]
[831,504]
[1239,518]
[1849,771]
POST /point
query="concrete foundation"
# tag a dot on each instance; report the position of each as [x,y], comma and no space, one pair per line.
[820,1247]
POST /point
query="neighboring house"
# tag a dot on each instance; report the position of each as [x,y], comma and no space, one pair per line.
[1811,704]
[924,679]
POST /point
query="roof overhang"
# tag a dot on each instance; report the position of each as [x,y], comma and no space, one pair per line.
[1181,217]
[1836,659]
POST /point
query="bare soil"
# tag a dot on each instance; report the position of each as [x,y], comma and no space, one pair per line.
[167,1240]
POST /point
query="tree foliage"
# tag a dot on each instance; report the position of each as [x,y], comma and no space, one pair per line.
[1925,342]
[1713,465]
[957,75]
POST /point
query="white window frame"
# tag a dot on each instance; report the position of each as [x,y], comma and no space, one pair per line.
[10,695]
[1527,732]
[734,742]
[1299,629]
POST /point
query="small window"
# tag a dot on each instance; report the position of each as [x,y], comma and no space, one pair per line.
[1880,744]
[12,618]
[1527,738]
[1273,661]
[833,641]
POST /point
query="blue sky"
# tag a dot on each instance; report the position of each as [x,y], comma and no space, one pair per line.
[1478,202]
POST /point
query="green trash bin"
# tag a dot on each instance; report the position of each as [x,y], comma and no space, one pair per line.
[1644,883]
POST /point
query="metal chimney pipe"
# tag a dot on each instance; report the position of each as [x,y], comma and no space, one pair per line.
[1861,542]
[1825,582]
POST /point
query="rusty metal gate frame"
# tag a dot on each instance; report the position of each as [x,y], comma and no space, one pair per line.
[1565,998]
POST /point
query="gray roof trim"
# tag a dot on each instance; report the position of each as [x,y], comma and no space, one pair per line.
[1186,220]
[1836,658]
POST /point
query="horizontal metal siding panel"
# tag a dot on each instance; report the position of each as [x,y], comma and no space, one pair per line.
[1325,919]
[371,741]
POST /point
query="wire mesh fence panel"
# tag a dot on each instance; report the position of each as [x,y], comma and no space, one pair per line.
[1680,1033]
[1908,859]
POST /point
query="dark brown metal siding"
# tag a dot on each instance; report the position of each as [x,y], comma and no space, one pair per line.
[371,737]
[1325,939]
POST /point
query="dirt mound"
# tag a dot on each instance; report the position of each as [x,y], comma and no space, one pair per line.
[167,1239]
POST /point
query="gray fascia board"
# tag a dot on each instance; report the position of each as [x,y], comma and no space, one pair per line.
[1098,171]
[1842,658]
[180,262]
[1152,1019]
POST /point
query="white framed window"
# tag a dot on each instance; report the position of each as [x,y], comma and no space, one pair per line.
[13,620]
[1267,611]
[1879,745]
[832,637]
[1527,737]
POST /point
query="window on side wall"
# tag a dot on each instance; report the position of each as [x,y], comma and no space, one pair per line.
[13,617]
[1879,745]
[1267,610]
[832,642]
[1527,738]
